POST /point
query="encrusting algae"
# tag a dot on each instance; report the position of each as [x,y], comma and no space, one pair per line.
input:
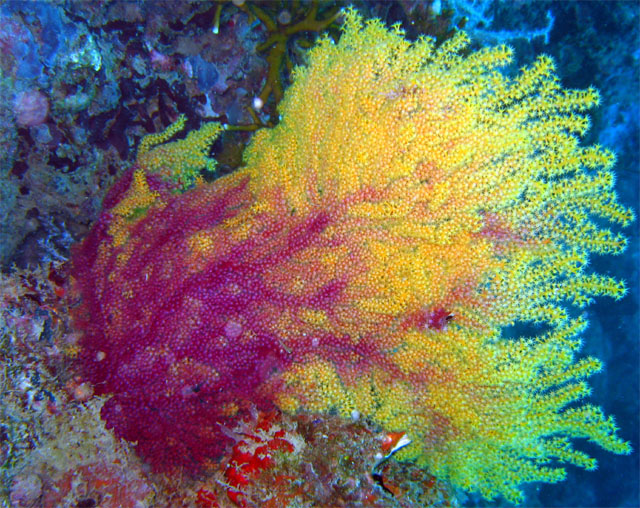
[411,204]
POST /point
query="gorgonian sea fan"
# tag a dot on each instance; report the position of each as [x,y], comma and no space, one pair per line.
[410,205]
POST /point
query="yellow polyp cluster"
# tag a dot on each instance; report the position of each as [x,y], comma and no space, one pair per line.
[137,198]
[453,192]
[314,317]
[179,161]
[327,391]
[183,160]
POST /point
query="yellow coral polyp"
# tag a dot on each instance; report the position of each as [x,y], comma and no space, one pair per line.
[182,160]
[138,197]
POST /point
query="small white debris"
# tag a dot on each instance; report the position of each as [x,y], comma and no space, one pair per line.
[258,103]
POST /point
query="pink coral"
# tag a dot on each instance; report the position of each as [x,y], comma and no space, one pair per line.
[180,364]
[31,108]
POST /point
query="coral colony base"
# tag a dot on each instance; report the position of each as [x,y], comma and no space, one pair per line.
[411,204]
